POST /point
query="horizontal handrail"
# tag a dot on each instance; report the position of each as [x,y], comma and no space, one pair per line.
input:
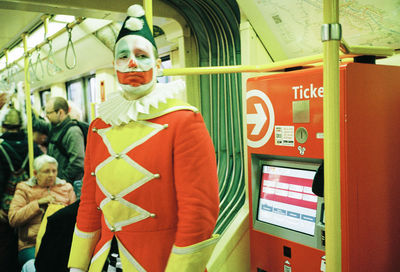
[270,67]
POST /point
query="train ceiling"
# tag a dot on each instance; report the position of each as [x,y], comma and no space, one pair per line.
[291,28]
[97,31]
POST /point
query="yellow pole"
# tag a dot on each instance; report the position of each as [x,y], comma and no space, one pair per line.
[45,19]
[243,68]
[331,44]
[93,111]
[28,104]
[276,66]
[148,10]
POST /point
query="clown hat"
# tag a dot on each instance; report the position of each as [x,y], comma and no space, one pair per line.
[136,24]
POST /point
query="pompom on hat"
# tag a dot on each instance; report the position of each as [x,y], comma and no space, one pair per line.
[136,24]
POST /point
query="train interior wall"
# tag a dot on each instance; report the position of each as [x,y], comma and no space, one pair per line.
[178,44]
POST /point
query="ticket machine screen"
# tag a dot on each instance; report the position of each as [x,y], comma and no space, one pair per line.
[286,199]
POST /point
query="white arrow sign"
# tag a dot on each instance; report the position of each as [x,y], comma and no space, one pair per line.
[259,119]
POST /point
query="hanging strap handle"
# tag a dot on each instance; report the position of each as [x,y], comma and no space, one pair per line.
[31,70]
[70,44]
[51,61]
[39,61]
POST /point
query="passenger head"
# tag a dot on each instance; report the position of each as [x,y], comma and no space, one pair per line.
[45,170]
[39,137]
[135,55]
[56,110]
[12,121]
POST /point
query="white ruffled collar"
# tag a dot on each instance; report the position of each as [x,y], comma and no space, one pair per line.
[117,110]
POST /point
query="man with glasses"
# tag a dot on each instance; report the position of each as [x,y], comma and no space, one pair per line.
[70,153]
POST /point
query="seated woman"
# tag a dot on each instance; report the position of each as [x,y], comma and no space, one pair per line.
[31,200]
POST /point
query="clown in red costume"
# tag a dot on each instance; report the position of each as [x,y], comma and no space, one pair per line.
[150,189]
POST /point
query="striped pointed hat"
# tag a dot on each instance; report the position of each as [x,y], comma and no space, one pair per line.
[136,24]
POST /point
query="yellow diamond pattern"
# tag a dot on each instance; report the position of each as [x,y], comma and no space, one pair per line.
[118,175]
[115,212]
[120,137]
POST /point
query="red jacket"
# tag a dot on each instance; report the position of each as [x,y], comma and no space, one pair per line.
[153,184]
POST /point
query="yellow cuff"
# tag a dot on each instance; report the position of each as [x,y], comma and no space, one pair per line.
[191,258]
[82,248]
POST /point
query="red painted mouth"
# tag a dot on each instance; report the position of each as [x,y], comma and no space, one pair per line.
[135,79]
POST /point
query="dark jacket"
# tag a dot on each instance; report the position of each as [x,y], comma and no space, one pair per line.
[8,239]
[19,142]
[54,249]
[70,166]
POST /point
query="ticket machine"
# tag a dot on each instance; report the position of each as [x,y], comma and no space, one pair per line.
[285,148]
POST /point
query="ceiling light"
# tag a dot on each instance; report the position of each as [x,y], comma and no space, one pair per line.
[63,19]
[2,63]
[15,53]
[36,37]
[54,27]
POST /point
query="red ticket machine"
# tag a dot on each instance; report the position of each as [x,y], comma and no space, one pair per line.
[285,149]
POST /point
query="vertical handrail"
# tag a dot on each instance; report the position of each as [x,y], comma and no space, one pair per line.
[331,106]
[148,11]
[28,104]
[92,111]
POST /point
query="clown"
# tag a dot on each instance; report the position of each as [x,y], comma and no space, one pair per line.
[150,191]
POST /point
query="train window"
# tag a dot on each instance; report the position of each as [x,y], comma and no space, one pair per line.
[75,91]
[44,97]
[92,85]
[165,64]
[80,92]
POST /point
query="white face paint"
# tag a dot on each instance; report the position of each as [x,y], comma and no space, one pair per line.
[136,66]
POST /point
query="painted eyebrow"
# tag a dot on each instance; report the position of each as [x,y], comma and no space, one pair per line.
[124,51]
[139,51]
